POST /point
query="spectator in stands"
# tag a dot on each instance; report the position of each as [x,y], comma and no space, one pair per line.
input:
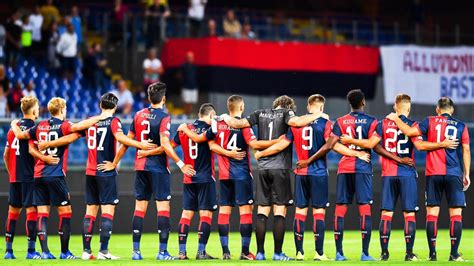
[231,25]
[152,69]
[30,89]
[13,38]
[211,28]
[26,36]
[153,14]
[4,82]
[52,39]
[247,32]
[67,50]
[125,103]
[3,103]
[189,91]
[50,14]
[36,22]
[196,11]
[120,10]
[94,67]
[76,22]
[3,37]
[14,98]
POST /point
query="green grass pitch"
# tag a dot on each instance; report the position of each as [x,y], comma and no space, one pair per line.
[120,245]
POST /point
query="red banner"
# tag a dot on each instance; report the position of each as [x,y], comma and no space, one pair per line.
[273,56]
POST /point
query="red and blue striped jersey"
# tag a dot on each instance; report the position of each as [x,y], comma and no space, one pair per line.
[102,145]
[197,154]
[394,141]
[147,125]
[360,126]
[307,141]
[49,130]
[437,129]
[231,139]
[20,162]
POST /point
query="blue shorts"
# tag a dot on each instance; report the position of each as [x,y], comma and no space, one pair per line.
[348,184]
[234,192]
[199,197]
[51,190]
[101,190]
[452,186]
[148,183]
[404,187]
[21,194]
[310,188]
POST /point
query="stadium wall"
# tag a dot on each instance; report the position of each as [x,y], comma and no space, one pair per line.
[124,213]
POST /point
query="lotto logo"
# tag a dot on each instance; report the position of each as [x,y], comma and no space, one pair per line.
[116,201]
[64,203]
[417,208]
[214,207]
[251,201]
[169,197]
[290,202]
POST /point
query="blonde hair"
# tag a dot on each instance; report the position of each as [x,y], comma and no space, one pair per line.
[55,105]
[402,98]
[27,104]
[316,98]
[233,101]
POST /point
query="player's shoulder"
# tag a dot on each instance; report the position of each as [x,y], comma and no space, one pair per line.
[369,117]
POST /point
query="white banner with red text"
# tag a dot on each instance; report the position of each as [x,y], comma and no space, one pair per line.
[428,73]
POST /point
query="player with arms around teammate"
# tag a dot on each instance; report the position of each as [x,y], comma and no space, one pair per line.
[20,167]
[447,171]
[398,180]
[354,176]
[50,184]
[152,124]
[273,183]
[311,173]
[199,188]
[235,174]
[101,184]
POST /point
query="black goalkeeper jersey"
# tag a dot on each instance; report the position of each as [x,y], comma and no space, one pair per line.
[272,123]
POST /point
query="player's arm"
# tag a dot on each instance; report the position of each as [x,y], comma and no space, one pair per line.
[234,154]
[466,157]
[369,143]
[401,160]
[196,138]
[130,142]
[85,124]
[405,128]
[263,144]
[19,134]
[275,148]
[447,143]
[235,122]
[108,166]
[48,159]
[152,152]
[345,151]
[6,159]
[169,150]
[62,141]
[304,120]
[329,145]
